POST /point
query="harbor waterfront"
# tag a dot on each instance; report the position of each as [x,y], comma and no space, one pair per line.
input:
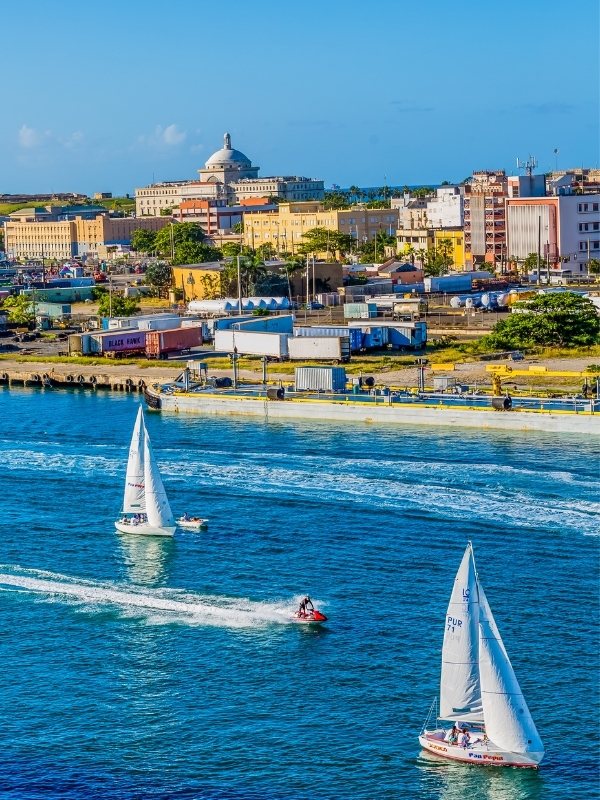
[139,667]
[448,410]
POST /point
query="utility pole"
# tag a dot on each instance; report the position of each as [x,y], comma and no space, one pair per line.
[539,245]
[307,280]
[110,295]
[172,242]
[239,283]
[313,266]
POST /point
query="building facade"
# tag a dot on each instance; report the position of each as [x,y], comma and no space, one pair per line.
[228,174]
[485,213]
[565,229]
[447,208]
[284,228]
[63,238]
[452,239]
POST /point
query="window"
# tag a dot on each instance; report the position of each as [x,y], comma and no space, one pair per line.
[595,206]
[595,245]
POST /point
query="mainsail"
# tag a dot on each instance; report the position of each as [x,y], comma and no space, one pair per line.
[460,691]
[158,509]
[508,722]
[134,501]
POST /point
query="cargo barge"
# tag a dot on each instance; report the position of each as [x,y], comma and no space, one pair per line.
[380,406]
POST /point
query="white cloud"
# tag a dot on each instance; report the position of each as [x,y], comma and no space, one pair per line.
[172,136]
[32,139]
[163,137]
[29,138]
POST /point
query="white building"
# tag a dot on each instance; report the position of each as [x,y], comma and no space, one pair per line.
[447,208]
[228,174]
[567,228]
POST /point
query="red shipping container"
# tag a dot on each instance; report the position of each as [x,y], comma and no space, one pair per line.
[160,343]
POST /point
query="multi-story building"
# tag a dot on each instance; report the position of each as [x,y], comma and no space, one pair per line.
[65,235]
[411,240]
[485,212]
[227,174]
[564,229]
[284,228]
[446,209]
[215,216]
[159,199]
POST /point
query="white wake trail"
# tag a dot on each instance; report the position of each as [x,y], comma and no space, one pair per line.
[159,606]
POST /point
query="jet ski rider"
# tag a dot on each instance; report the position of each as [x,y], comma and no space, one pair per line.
[306,606]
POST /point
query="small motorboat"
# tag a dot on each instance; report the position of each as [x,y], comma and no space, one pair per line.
[192,523]
[309,617]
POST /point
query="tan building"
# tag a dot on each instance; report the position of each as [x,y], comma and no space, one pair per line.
[228,174]
[413,239]
[284,228]
[27,238]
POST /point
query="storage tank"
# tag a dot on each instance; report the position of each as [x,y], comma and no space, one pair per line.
[456,302]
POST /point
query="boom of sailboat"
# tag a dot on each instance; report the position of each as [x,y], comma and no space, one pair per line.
[479,691]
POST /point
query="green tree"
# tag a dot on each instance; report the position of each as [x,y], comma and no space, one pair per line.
[238,227]
[143,241]
[529,264]
[159,275]
[593,266]
[565,319]
[322,240]
[179,233]
[335,200]
[195,253]
[265,251]
[20,309]
[118,305]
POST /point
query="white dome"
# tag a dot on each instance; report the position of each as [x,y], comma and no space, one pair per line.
[228,157]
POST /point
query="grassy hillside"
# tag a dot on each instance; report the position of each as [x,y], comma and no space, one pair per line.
[126,204]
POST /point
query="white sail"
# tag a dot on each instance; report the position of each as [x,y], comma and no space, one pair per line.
[508,721]
[460,692]
[158,509]
[134,501]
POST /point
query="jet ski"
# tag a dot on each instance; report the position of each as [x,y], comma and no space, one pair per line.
[309,617]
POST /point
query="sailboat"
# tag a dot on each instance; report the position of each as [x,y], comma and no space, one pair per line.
[146,509]
[479,691]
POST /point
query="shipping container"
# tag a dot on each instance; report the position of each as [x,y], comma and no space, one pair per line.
[61,295]
[79,344]
[455,282]
[117,342]
[410,306]
[255,343]
[160,343]
[360,310]
[192,322]
[315,379]
[225,323]
[160,322]
[327,348]
[403,335]
[53,310]
[355,334]
[283,323]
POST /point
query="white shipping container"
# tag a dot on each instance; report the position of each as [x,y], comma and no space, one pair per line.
[336,348]
[283,323]
[162,323]
[253,343]
[320,330]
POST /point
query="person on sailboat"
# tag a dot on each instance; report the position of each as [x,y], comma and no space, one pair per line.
[452,737]
[465,739]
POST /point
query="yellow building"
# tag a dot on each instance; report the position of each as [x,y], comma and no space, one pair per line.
[45,235]
[198,281]
[284,228]
[456,244]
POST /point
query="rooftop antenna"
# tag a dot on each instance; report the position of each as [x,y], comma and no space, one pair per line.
[528,166]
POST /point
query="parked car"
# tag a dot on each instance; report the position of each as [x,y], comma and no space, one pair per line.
[314,306]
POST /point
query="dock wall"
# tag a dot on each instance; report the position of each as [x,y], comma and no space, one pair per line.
[414,414]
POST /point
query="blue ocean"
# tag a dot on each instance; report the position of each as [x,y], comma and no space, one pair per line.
[149,668]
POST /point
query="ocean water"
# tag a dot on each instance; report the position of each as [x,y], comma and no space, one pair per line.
[137,668]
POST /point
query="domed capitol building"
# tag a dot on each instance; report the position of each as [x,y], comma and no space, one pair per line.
[230,177]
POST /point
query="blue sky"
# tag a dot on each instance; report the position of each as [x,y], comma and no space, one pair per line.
[109,96]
